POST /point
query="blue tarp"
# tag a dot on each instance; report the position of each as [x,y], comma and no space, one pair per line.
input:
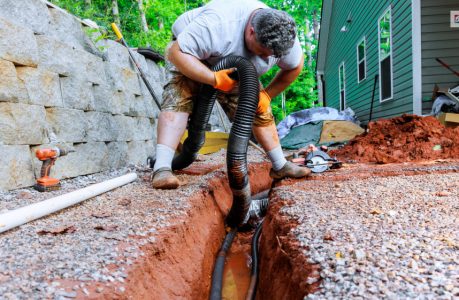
[313,115]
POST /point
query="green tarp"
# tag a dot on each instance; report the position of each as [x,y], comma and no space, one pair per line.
[303,135]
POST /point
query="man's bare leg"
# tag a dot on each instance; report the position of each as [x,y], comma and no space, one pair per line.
[269,139]
[171,126]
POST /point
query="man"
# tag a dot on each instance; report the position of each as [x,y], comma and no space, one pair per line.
[202,37]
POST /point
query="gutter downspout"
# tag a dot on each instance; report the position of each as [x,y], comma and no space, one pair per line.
[35,211]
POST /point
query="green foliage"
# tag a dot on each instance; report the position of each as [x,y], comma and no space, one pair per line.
[303,92]
[160,16]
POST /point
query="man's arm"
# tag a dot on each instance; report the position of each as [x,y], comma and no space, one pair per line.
[283,79]
[190,66]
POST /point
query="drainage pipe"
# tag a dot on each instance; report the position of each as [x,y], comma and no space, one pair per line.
[236,158]
[257,211]
[217,274]
[35,211]
[251,293]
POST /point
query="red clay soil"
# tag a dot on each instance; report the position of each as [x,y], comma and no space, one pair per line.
[179,265]
[283,267]
[402,139]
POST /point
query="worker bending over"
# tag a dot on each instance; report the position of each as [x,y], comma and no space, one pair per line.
[203,36]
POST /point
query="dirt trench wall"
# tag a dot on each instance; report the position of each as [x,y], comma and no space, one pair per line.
[279,274]
[180,264]
[57,86]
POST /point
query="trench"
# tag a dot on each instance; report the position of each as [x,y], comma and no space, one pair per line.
[179,265]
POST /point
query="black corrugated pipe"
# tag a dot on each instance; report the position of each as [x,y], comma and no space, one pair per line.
[257,211]
[202,108]
[217,274]
[236,158]
[254,272]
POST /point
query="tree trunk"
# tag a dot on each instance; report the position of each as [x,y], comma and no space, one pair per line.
[315,25]
[116,13]
[87,3]
[143,19]
[307,39]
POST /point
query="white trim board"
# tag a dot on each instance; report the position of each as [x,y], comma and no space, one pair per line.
[327,8]
[417,56]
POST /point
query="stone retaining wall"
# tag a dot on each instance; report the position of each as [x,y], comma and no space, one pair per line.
[56,87]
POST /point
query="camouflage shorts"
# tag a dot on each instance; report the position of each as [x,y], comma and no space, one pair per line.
[180,91]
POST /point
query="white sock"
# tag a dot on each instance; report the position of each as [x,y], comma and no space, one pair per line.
[164,156]
[277,158]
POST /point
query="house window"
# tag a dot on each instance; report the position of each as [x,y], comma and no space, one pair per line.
[342,87]
[361,60]
[385,56]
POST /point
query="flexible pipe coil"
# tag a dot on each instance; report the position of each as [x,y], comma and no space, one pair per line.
[236,158]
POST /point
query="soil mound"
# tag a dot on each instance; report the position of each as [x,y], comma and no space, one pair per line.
[401,139]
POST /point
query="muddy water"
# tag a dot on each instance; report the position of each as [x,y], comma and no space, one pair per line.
[236,276]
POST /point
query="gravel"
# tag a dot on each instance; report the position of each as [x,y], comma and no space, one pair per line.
[382,237]
[60,266]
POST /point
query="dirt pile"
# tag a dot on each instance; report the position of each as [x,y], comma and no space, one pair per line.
[401,139]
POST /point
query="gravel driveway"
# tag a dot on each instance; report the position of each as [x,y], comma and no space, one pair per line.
[379,237]
[57,257]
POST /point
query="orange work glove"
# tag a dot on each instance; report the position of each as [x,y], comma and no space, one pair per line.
[222,80]
[263,103]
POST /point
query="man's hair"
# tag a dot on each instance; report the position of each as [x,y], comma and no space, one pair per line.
[275,30]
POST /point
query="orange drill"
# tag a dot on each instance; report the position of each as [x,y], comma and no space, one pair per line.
[48,156]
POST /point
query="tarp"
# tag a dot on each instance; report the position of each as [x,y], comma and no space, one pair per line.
[303,135]
[329,133]
[339,132]
[444,104]
[313,115]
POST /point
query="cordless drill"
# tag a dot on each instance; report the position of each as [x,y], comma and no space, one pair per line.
[48,156]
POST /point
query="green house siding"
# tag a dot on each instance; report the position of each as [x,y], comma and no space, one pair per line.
[342,47]
[438,40]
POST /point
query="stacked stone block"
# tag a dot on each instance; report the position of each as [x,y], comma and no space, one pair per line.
[55,88]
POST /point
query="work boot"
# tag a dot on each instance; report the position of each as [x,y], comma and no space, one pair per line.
[290,170]
[163,179]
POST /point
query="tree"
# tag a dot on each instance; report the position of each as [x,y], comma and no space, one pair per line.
[149,22]
[115,12]
[303,92]
[142,16]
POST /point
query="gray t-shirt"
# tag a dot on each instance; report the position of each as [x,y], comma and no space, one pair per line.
[217,29]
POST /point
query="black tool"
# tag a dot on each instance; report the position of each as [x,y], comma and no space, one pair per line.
[139,69]
[447,66]
[372,100]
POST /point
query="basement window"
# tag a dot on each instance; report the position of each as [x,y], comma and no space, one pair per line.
[385,56]
[361,60]
[342,87]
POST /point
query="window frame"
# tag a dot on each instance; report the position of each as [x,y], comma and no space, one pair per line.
[342,102]
[364,60]
[388,10]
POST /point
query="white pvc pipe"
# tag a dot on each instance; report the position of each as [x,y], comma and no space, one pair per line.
[35,211]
